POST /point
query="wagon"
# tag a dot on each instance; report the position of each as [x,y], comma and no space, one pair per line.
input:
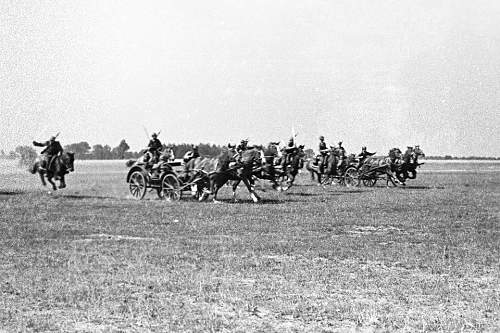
[369,175]
[349,176]
[142,177]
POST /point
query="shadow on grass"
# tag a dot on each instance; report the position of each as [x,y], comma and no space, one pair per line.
[11,192]
[82,197]
[409,187]
[300,194]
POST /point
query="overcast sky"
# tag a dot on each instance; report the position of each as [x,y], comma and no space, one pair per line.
[375,73]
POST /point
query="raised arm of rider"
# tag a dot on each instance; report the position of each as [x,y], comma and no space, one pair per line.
[40,144]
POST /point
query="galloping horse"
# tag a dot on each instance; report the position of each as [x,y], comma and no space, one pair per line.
[295,163]
[330,170]
[387,165]
[408,169]
[250,166]
[60,166]
[218,171]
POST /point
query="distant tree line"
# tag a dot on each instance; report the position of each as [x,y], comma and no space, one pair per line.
[83,151]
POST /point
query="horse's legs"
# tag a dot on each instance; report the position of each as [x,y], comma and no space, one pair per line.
[42,178]
[235,187]
[392,178]
[62,183]
[250,186]
[49,179]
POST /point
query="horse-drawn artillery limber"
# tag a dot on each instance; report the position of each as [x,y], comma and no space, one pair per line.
[334,169]
[143,176]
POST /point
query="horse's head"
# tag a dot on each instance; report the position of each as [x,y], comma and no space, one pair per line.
[68,160]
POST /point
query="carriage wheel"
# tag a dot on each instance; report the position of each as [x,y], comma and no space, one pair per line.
[137,185]
[351,177]
[370,182]
[401,176]
[170,187]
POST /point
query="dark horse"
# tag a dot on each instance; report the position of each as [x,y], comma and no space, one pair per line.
[294,164]
[60,166]
[330,170]
[383,165]
[408,170]
[218,171]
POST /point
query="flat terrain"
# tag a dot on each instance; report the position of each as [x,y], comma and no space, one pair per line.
[332,259]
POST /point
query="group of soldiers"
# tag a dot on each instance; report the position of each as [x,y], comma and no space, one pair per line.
[53,148]
[324,150]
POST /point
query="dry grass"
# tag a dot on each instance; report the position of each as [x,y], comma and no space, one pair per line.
[313,259]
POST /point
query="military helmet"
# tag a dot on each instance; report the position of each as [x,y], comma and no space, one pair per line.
[321,137]
[52,138]
[154,135]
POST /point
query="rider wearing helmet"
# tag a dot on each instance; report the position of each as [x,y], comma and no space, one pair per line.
[342,157]
[323,152]
[242,146]
[363,155]
[52,149]
[155,146]
[288,151]
[270,154]
[407,155]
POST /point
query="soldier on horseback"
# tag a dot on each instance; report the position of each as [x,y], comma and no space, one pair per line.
[52,149]
[288,151]
[363,155]
[407,155]
[154,147]
[323,153]
[342,157]
[270,153]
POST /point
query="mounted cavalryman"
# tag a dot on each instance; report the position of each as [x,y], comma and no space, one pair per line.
[288,151]
[342,157]
[323,153]
[155,146]
[363,155]
[407,155]
[52,149]
[270,153]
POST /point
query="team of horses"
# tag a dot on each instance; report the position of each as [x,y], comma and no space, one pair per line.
[233,167]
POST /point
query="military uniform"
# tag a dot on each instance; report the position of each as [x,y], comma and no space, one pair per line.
[195,152]
[342,158]
[155,147]
[242,146]
[53,148]
[407,155]
[363,155]
[288,151]
[270,154]
[323,152]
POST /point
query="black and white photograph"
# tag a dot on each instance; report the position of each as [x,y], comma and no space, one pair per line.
[249,166]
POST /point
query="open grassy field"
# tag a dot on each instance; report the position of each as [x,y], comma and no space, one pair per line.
[314,259]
